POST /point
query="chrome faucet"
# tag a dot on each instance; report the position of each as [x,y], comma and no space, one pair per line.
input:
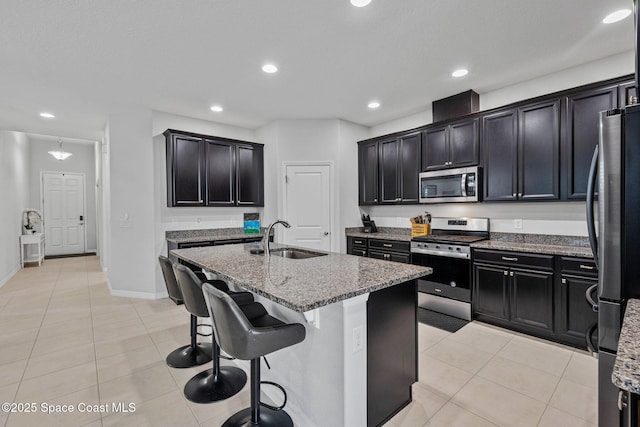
[265,239]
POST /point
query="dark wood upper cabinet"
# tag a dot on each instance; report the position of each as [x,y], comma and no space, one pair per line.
[435,148]
[249,175]
[539,151]
[582,118]
[452,145]
[185,167]
[220,173]
[368,172]
[500,152]
[204,170]
[410,146]
[389,170]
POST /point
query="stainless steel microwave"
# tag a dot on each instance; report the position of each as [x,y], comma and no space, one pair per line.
[450,185]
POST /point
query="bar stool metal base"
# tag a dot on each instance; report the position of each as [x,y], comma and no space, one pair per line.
[268,418]
[205,387]
[187,356]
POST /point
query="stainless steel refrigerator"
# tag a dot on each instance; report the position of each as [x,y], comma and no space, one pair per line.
[615,174]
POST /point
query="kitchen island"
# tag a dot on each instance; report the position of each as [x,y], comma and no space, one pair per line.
[359,359]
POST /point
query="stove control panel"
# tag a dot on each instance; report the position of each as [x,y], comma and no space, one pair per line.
[441,249]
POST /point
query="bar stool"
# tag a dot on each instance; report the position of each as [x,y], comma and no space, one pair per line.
[250,339]
[195,353]
[219,382]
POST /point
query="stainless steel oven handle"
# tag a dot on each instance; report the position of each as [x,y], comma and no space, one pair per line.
[445,254]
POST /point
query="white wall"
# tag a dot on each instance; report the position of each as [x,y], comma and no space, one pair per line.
[132,260]
[538,218]
[82,161]
[14,193]
[316,140]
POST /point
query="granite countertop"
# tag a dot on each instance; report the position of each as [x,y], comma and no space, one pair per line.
[626,370]
[300,284]
[536,248]
[209,235]
[385,233]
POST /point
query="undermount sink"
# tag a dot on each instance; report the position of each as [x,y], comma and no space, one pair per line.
[295,253]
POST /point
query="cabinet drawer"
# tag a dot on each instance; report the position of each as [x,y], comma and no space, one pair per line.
[390,245]
[513,258]
[579,266]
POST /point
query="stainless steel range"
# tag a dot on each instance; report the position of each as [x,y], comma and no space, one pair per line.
[447,251]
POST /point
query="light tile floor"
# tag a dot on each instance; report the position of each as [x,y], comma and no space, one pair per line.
[64,340]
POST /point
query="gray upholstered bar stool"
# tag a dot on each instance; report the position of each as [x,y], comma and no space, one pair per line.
[250,339]
[219,382]
[195,353]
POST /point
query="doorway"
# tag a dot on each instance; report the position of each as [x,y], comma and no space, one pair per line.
[308,204]
[63,208]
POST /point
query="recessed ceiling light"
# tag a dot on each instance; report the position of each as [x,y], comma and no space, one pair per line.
[269,68]
[459,73]
[616,16]
[373,105]
[216,108]
[47,115]
[360,3]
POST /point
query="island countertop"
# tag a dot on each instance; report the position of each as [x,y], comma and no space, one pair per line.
[300,284]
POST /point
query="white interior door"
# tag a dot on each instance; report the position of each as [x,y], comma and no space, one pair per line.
[307,205]
[63,209]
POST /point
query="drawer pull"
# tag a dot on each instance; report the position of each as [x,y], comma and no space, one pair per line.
[386,245]
[587,267]
[437,290]
[506,273]
[511,273]
[358,242]
[506,258]
[564,281]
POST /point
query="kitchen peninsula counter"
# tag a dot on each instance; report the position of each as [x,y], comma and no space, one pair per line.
[359,359]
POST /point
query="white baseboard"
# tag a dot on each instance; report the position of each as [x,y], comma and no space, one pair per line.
[9,276]
[136,294]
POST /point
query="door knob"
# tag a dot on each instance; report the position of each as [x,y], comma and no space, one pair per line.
[326,233]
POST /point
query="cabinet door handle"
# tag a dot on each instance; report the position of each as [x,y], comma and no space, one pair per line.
[586,267]
[375,200]
[513,195]
[364,253]
[519,194]
[511,273]
[506,273]
[506,258]
[564,281]
[386,245]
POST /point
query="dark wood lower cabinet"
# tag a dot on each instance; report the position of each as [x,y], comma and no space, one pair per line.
[388,250]
[392,351]
[545,298]
[531,304]
[490,292]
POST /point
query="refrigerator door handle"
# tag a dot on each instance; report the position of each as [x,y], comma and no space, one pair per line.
[588,295]
[591,190]
[591,346]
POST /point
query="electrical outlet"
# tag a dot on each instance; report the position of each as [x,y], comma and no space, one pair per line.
[358,339]
[517,224]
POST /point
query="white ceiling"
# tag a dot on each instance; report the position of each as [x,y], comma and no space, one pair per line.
[83,59]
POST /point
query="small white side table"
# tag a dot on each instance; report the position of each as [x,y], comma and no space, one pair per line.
[32,239]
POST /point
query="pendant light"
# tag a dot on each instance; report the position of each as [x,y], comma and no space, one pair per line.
[59,154]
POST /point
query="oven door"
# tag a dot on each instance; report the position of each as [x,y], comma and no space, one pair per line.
[448,289]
